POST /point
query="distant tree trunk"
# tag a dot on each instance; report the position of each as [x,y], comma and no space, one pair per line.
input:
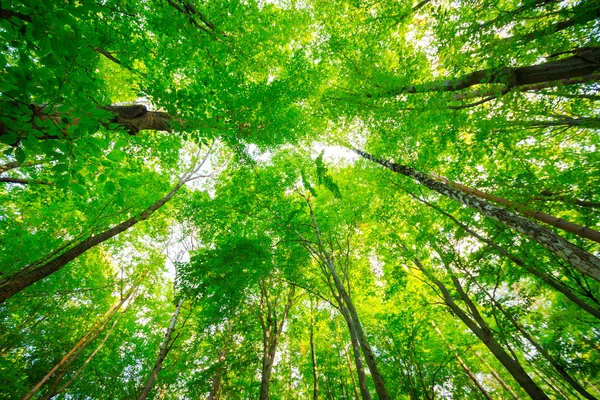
[561,371]
[215,388]
[463,365]
[349,363]
[498,378]
[585,262]
[165,347]
[50,395]
[360,369]
[557,285]
[482,330]
[313,354]
[583,62]
[62,366]
[272,327]
[50,264]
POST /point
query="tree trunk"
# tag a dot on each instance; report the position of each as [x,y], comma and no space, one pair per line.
[356,395]
[559,223]
[62,366]
[583,62]
[463,365]
[557,367]
[498,378]
[557,285]
[585,262]
[39,270]
[215,388]
[313,354]
[165,347]
[484,333]
[360,369]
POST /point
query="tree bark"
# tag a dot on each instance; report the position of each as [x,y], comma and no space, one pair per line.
[557,285]
[165,347]
[62,366]
[484,333]
[39,270]
[360,369]
[584,62]
[215,388]
[559,223]
[583,261]
[347,356]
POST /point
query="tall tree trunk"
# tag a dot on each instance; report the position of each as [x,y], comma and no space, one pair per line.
[559,223]
[484,333]
[583,62]
[272,329]
[498,378]
[215,388]
[90,357]
[165,347]
[585,262]
[462,364]
[39,270]
[62,366]
[313,354]
[347,356]
[557,367]
[360,369]
[557,285]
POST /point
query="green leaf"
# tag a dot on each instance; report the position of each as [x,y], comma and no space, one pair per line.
[109,188]
[116,155]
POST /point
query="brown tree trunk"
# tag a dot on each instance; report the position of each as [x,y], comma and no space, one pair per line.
[561,371]
[165,347]
[463,365]
[583,62]
[360,369]
[498,378]
[349,364]
[215,388]
[484,333]
[62,366]
[585,262]
[559,223]
[39,270]
[557,285]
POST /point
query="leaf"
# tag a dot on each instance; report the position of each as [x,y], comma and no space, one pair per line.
[20,155]
[116,155]
[109,188]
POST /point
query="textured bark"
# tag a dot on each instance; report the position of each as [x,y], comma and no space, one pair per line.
[583,62]
[24,181]
[583,261]
[39,270]
[484,333]
[463,365]
[165,347]
[557,285]
[349,364]
[62,366]
[360,369]
[559,223]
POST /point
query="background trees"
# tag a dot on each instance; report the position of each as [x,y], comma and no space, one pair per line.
[196,157]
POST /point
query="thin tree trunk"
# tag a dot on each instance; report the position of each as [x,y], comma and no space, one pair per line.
[349,363]
[557,285]
[85,341]
[557,367]
[215,388]
[165,347]
[39,270]
[90,357]
[484,333]
[498,378]
[585,262]
[463,365]
[583,62]
[313,354]
[360,369]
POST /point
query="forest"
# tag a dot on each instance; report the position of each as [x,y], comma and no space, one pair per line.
[299,199]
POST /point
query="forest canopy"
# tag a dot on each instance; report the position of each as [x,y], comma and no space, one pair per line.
[252,199]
